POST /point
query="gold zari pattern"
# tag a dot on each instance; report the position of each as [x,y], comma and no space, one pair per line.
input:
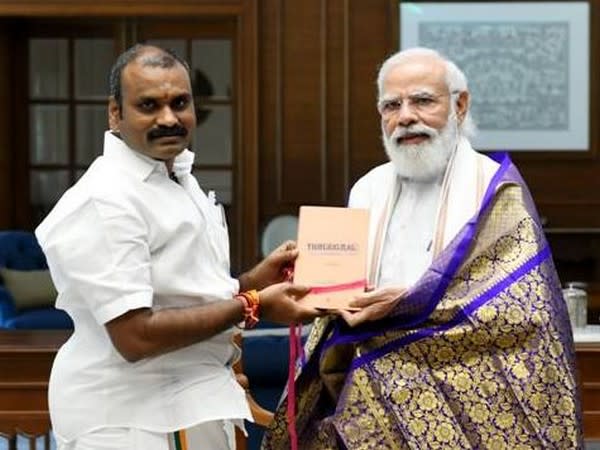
[501,378]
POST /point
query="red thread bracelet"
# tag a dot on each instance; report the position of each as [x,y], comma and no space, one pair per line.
[251,304]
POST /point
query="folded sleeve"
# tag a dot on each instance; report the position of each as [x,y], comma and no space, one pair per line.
[99,254]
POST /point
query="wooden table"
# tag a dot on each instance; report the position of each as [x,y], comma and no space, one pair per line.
[588,368]
[25,361]
[26,358]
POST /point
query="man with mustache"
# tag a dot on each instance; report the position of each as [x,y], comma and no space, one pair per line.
[140,258]
[464,340]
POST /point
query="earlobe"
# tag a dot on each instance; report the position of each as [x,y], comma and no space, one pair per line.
[113,115]
[462,105]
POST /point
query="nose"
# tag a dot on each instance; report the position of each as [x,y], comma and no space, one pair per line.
[406,115]
[167,117]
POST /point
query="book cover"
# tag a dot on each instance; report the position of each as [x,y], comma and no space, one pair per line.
[332,258]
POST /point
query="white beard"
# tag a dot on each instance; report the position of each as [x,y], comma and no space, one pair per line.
[425,161]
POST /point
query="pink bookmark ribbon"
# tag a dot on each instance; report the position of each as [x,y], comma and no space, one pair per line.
[338,287]
[296,350]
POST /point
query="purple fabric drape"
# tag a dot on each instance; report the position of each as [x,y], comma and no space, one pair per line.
[478,355]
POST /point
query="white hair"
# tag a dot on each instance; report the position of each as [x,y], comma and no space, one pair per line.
[455,80]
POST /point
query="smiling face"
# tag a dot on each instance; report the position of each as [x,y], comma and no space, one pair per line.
[157,115]
[420,117]
[417,94]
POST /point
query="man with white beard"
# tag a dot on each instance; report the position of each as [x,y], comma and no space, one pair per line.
[423,103]
[463,340]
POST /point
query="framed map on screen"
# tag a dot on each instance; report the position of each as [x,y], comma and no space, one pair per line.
[527,66]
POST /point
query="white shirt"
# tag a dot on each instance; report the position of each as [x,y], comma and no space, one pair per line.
[407,250]
[126,237]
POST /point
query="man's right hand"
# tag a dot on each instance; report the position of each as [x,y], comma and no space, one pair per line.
[145,332]
[271,269]
[375,305]
[279,304]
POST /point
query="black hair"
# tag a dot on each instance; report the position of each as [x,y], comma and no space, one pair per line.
[164,58]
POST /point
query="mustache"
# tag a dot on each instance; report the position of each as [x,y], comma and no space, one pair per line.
[401,132]
[160,132]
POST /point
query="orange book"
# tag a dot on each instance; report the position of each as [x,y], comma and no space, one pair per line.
[332,257]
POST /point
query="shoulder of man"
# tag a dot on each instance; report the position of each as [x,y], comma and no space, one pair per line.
[489,165]
[372,185]
[377,176]
[97,186]
[473,158]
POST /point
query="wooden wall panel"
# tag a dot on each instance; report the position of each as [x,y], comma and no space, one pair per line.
[270,107]
[301,152]
[319,127]
[567,192]
[368,51]
[291,102]
[247,187]
[6,149]
[69,8]
[337,102]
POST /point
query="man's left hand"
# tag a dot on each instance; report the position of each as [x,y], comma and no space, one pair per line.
[271,269]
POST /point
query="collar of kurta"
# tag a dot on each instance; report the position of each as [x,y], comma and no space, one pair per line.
[464,183]
[141,165]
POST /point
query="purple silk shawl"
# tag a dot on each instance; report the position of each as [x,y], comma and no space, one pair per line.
[479,354]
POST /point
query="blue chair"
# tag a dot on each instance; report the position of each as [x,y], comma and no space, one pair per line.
[265,361]
[19,250]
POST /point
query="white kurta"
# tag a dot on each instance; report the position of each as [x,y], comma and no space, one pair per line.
[408,243]
[126,237]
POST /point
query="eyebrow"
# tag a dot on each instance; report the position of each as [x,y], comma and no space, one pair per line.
[418,92]
[144,98]
[424,92]
[158,99]
[184,95]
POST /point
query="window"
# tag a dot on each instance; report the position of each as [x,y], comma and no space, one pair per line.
[67,113]
[210,65]
[62,69]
